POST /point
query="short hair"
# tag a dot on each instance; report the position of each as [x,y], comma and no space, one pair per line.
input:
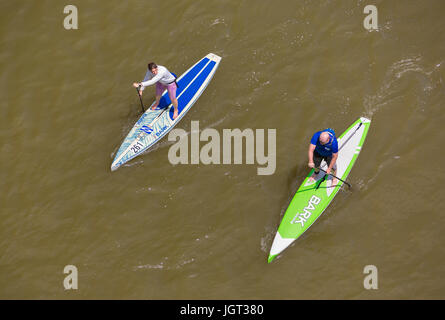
[152,66]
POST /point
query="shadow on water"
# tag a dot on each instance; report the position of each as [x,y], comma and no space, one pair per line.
[134,111]
[297,176]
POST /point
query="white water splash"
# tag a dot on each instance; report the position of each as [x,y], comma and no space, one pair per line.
[218,21]
[162,265]
[266,241]
[388,91]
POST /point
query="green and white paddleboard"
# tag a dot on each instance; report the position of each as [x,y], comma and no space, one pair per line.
[312,198]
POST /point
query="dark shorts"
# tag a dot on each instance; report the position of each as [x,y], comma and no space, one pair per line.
[318,158]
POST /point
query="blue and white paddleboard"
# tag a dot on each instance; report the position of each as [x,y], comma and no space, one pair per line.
[154,124]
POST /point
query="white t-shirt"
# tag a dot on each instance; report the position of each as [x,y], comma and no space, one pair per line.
[164,76]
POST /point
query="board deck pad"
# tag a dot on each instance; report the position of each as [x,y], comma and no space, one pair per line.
[313,197]
[154,124]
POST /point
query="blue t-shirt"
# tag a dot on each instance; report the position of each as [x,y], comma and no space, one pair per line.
[329,148]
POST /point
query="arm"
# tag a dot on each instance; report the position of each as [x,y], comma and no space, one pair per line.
[148,76]
[152,81]
[311,155]
[334,159]
[156,78]
[334,155]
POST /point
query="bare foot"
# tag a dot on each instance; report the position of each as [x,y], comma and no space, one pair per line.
[154,107]
[311,178]
[175,114]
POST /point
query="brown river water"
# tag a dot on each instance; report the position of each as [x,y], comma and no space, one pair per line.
[153,230]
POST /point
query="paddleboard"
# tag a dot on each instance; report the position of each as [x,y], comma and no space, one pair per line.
[312,198]
[154,124]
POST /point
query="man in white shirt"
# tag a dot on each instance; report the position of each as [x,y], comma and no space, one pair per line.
[164,79]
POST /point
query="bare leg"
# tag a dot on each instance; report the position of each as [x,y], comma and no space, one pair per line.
[334,180]
[175,104]
[158,98]
[312,177]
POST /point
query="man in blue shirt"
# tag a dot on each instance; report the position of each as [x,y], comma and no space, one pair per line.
[324,146]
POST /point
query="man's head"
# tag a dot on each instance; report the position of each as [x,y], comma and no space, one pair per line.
[324,137]
[153,68]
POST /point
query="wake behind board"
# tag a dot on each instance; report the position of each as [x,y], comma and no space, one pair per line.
[154,124]
[312,198]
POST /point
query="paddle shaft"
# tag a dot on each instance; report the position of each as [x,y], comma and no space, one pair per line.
[336,177]
[140,98]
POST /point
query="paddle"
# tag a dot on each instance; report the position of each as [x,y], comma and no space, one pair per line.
[140,98]
[336,177]
[321,181]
